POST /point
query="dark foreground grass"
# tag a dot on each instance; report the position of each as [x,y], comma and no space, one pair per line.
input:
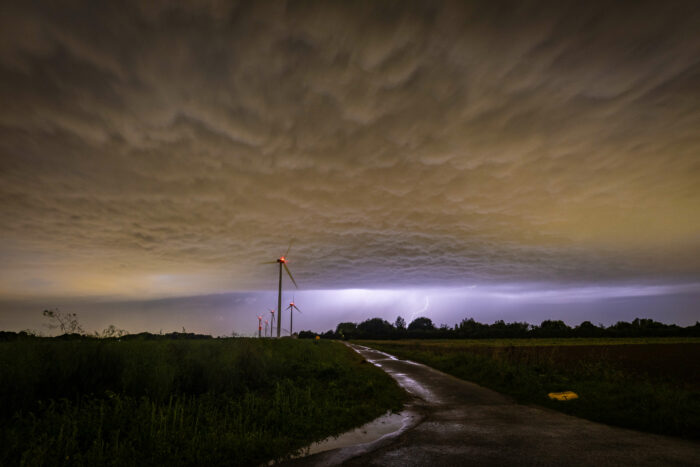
[608,379]
[215,402]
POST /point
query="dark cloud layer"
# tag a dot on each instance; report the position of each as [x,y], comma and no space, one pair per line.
[159,148]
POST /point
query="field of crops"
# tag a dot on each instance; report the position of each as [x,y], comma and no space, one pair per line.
[646,384]
[213,402]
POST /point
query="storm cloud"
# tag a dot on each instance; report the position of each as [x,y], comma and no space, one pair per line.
[153,149]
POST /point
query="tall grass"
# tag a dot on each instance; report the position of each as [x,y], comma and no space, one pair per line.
[607,392]
[215,402]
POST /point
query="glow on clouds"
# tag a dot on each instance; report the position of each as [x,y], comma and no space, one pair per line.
[160,149]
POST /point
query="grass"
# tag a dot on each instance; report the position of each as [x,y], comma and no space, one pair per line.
[543,341]
[649,384]
[214,402]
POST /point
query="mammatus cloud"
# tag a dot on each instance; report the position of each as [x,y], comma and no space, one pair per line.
[166,149]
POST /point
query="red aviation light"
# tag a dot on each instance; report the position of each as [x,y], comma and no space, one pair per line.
[282,259]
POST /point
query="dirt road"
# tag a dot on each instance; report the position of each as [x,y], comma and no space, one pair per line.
[461,423]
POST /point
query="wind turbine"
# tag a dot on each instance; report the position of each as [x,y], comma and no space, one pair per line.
[259,325]
[272,320]
[266,327]
[291,308]
[282,260]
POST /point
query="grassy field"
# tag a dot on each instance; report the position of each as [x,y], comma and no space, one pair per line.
[214,402]
[646,384]
[545,341]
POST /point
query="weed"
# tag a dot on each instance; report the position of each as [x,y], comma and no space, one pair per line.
[214,402]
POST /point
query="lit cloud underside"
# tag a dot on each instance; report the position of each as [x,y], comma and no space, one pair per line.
[162,150]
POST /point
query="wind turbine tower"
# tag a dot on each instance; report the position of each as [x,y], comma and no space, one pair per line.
[291,309]
[282,261]
[259,325]
[272,320]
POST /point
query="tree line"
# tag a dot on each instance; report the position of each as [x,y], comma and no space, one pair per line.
[69,328]
[468,328]
[378,328]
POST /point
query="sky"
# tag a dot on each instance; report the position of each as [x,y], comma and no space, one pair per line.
[518,160]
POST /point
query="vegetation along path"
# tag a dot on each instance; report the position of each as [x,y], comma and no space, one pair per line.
[465,424]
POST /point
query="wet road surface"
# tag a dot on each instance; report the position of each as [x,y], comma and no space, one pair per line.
[456,422]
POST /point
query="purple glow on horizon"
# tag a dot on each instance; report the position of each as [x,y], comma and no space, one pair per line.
[323,309]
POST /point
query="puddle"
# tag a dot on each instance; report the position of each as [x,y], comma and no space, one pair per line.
[386,425]
[414,388]
[369,435]
[390,357]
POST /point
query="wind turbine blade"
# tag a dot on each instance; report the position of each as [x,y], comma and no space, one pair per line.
[298,309]
[288,248]
[269,262]
[290,275]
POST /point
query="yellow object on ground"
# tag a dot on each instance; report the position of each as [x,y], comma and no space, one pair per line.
[563,396]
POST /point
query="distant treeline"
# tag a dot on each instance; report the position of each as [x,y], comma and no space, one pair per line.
[423,328]
[10,336]
[69,328]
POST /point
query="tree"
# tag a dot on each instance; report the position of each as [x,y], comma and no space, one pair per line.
[111,331]
[588,329]
[471,329]
[346,330]
[67,322]
[400,324]
[421,324]
[375,328]
[553,328]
